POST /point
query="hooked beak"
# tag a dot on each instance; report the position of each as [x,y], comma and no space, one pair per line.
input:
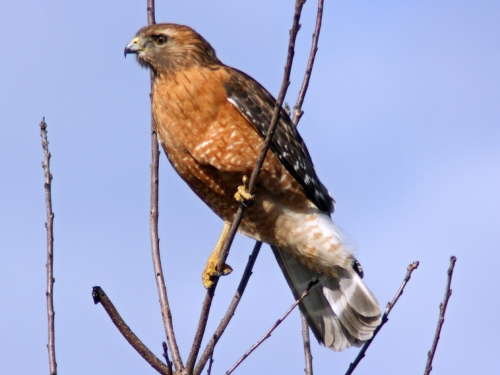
[132,47]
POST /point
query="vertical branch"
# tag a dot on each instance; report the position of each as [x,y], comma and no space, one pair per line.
[297,109]
[200,329]
[307,345]
[442,311]
[150,9]
[155,241]
[251,185]
[385,318]
[49,225]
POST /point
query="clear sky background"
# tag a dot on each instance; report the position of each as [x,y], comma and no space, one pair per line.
[402,120]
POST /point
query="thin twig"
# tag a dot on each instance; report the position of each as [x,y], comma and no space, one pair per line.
[297,115]
[207,353]
[275,325]
[165,355]
[209,371]
[307,346]
[155,241]
[297,109]
[150,9]
[385,317]
[251,185]
[200,329]
[442,311]
[100,297]
[49,225]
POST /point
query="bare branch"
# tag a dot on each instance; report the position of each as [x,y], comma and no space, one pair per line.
[207,353]
[209,371]
[151,12]
[200,329]
[155,241]
[385,317]
[155,250]
[442,311]
[100,297]
[297,109]
[307,346]
[49,225]
[409,271]
[275,325]
[165,355]
[297,115]
[253,179]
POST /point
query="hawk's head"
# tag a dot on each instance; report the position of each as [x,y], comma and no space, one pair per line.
[166,47]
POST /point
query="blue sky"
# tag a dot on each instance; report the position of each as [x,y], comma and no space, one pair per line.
[402,121]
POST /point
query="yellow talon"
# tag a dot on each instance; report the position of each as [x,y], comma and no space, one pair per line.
[242,195]
[210,272]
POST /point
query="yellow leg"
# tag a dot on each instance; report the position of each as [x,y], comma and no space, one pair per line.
[242,195]
[210,271]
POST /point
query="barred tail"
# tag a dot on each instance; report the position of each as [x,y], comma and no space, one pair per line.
[341,312]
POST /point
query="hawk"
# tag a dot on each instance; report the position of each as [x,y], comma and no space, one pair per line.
[211,120]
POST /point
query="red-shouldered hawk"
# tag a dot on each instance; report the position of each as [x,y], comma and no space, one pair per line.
[211,120]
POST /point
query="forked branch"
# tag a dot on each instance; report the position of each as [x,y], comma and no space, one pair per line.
[297,109]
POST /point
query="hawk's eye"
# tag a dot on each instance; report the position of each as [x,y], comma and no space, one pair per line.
[160,39]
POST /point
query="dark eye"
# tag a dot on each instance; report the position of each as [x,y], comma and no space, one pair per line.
[160,39]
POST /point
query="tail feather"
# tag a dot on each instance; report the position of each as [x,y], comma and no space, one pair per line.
[342,308]
[359,296]
[341,312]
